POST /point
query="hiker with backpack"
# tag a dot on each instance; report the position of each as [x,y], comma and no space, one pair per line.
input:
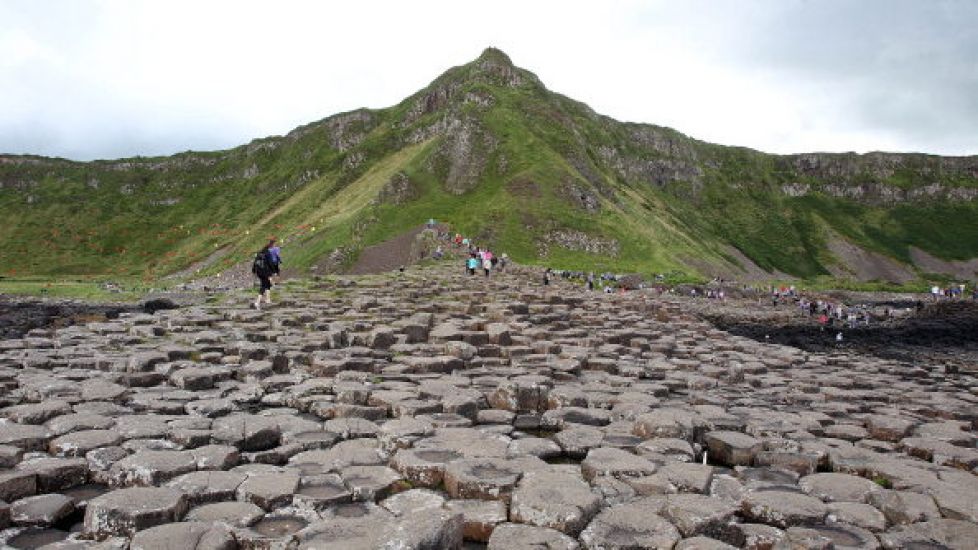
[264,266]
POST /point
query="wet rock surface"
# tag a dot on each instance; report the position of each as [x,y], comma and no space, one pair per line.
[19,316]
[947,330]
[434,410]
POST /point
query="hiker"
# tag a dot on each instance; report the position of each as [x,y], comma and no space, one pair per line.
[486,263]
[472,264]
[590,281]
[546,277]
[264,267]
[502,261]
[438,253]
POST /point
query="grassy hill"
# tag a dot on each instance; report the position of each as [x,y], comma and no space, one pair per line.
[487,148]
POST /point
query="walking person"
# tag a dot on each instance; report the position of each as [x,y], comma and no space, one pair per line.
[264,267]
[472,264]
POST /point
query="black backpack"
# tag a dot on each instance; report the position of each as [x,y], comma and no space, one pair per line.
[261,266]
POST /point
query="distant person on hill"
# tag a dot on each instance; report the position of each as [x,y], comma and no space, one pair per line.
[503,260]
[472,264]
[546,277]
[486,264]
[264,267]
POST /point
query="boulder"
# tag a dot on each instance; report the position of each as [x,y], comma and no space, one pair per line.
[556,500]
[513,536]
[783,509]
[125,511]
[633,525]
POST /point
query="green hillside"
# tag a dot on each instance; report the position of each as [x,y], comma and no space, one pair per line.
[487,148]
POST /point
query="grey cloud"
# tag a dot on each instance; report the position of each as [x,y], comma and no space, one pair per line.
[901,68]
[903,71]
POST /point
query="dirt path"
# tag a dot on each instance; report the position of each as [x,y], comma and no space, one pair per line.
[387,255]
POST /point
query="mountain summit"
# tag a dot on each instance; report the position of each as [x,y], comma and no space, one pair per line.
[488,149]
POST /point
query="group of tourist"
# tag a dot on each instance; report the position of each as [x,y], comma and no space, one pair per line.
[952,292]
[484,259]
[604,282]
[477,256]
[829,313]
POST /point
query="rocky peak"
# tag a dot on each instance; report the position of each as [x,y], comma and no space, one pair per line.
[499,67]
[495,56]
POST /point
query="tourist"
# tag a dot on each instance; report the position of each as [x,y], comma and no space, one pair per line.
[264,267]
[486,262]
[546,277]
[472,264]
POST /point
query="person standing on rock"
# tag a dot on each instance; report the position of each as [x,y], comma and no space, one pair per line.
[264,267]
[472,264]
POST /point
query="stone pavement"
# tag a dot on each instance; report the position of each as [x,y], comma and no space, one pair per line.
[433,410]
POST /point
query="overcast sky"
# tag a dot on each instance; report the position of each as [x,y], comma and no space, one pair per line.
[104,79]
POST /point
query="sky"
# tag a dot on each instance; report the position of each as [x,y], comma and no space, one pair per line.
[88,79]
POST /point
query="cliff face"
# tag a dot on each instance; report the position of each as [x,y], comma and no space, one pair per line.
[489,149]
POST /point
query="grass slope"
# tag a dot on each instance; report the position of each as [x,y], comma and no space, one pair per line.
[487,148]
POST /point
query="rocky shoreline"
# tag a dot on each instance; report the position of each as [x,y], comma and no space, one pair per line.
[943,332]
[431,409]
[19,315]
